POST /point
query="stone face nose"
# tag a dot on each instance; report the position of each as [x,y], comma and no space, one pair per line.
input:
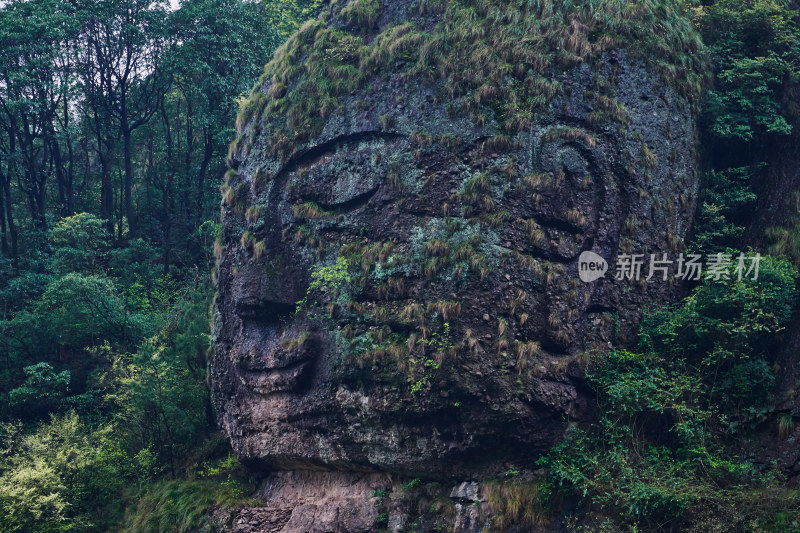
[268,283]
[266,347]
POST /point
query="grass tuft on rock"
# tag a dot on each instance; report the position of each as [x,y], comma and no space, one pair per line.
[486,56]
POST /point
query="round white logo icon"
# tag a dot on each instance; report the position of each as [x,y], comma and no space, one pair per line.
[591,267]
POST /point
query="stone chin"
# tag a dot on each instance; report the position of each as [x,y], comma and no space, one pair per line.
[456,346]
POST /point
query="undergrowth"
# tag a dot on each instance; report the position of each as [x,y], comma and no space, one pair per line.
[181,505]
[660,456]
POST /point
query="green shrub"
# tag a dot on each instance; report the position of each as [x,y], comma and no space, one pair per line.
[728,318]
[179,506]
[80,244]
[755,45]
[159,397]
[658,452]
[58,478]
[79,310]
[724,199]
[43,389]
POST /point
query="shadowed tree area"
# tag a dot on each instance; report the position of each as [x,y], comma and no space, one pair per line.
[115,118]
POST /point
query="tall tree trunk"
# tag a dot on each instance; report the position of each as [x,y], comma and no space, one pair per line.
[33,180]
[130,215]
[106,196]
[3,231]
[41,203]
[187,162]
[70,170]
[121,210]
[64,188]
[12,226]
[36,200]
[208,153]
[106,191]
[166,198]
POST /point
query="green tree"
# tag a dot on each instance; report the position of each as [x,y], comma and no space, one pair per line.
[218,49]
[110,110]
[79,244]
[58,478]
[35,68]
[78,310]
[162,403]
[755,47]
[724,199]
[42,390]
[726,319]
[122,74]
[286,16]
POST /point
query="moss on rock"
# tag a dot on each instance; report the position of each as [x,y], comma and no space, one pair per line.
[493,59]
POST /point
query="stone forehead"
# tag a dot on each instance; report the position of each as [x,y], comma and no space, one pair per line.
[491,64]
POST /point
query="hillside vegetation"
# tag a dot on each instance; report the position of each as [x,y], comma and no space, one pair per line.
[115,119]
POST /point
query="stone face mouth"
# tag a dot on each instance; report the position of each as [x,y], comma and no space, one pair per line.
[272,380]
[274,355]
[267,312]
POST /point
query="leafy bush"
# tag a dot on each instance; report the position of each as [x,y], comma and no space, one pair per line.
[134,264]
[657,453]
[42,390]
[755,45]
[159,395]
[79,310]
[57,478]
[726,318]
[22,289]
[724,198]
[80,243]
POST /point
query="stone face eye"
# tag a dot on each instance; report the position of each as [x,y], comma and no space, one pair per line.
[346,175]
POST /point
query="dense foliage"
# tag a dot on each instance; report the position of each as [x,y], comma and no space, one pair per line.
[105,370]
[750,113]
[665,453]
[115,117]
[662,455]
[755,47]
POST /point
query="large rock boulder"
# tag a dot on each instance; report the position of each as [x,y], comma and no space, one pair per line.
[422,177]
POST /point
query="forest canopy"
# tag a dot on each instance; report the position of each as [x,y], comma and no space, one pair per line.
[115,118]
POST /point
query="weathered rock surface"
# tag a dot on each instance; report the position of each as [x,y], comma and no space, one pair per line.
[343,502]
[450,345]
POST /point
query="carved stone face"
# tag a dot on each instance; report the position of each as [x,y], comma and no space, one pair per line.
[442,321]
